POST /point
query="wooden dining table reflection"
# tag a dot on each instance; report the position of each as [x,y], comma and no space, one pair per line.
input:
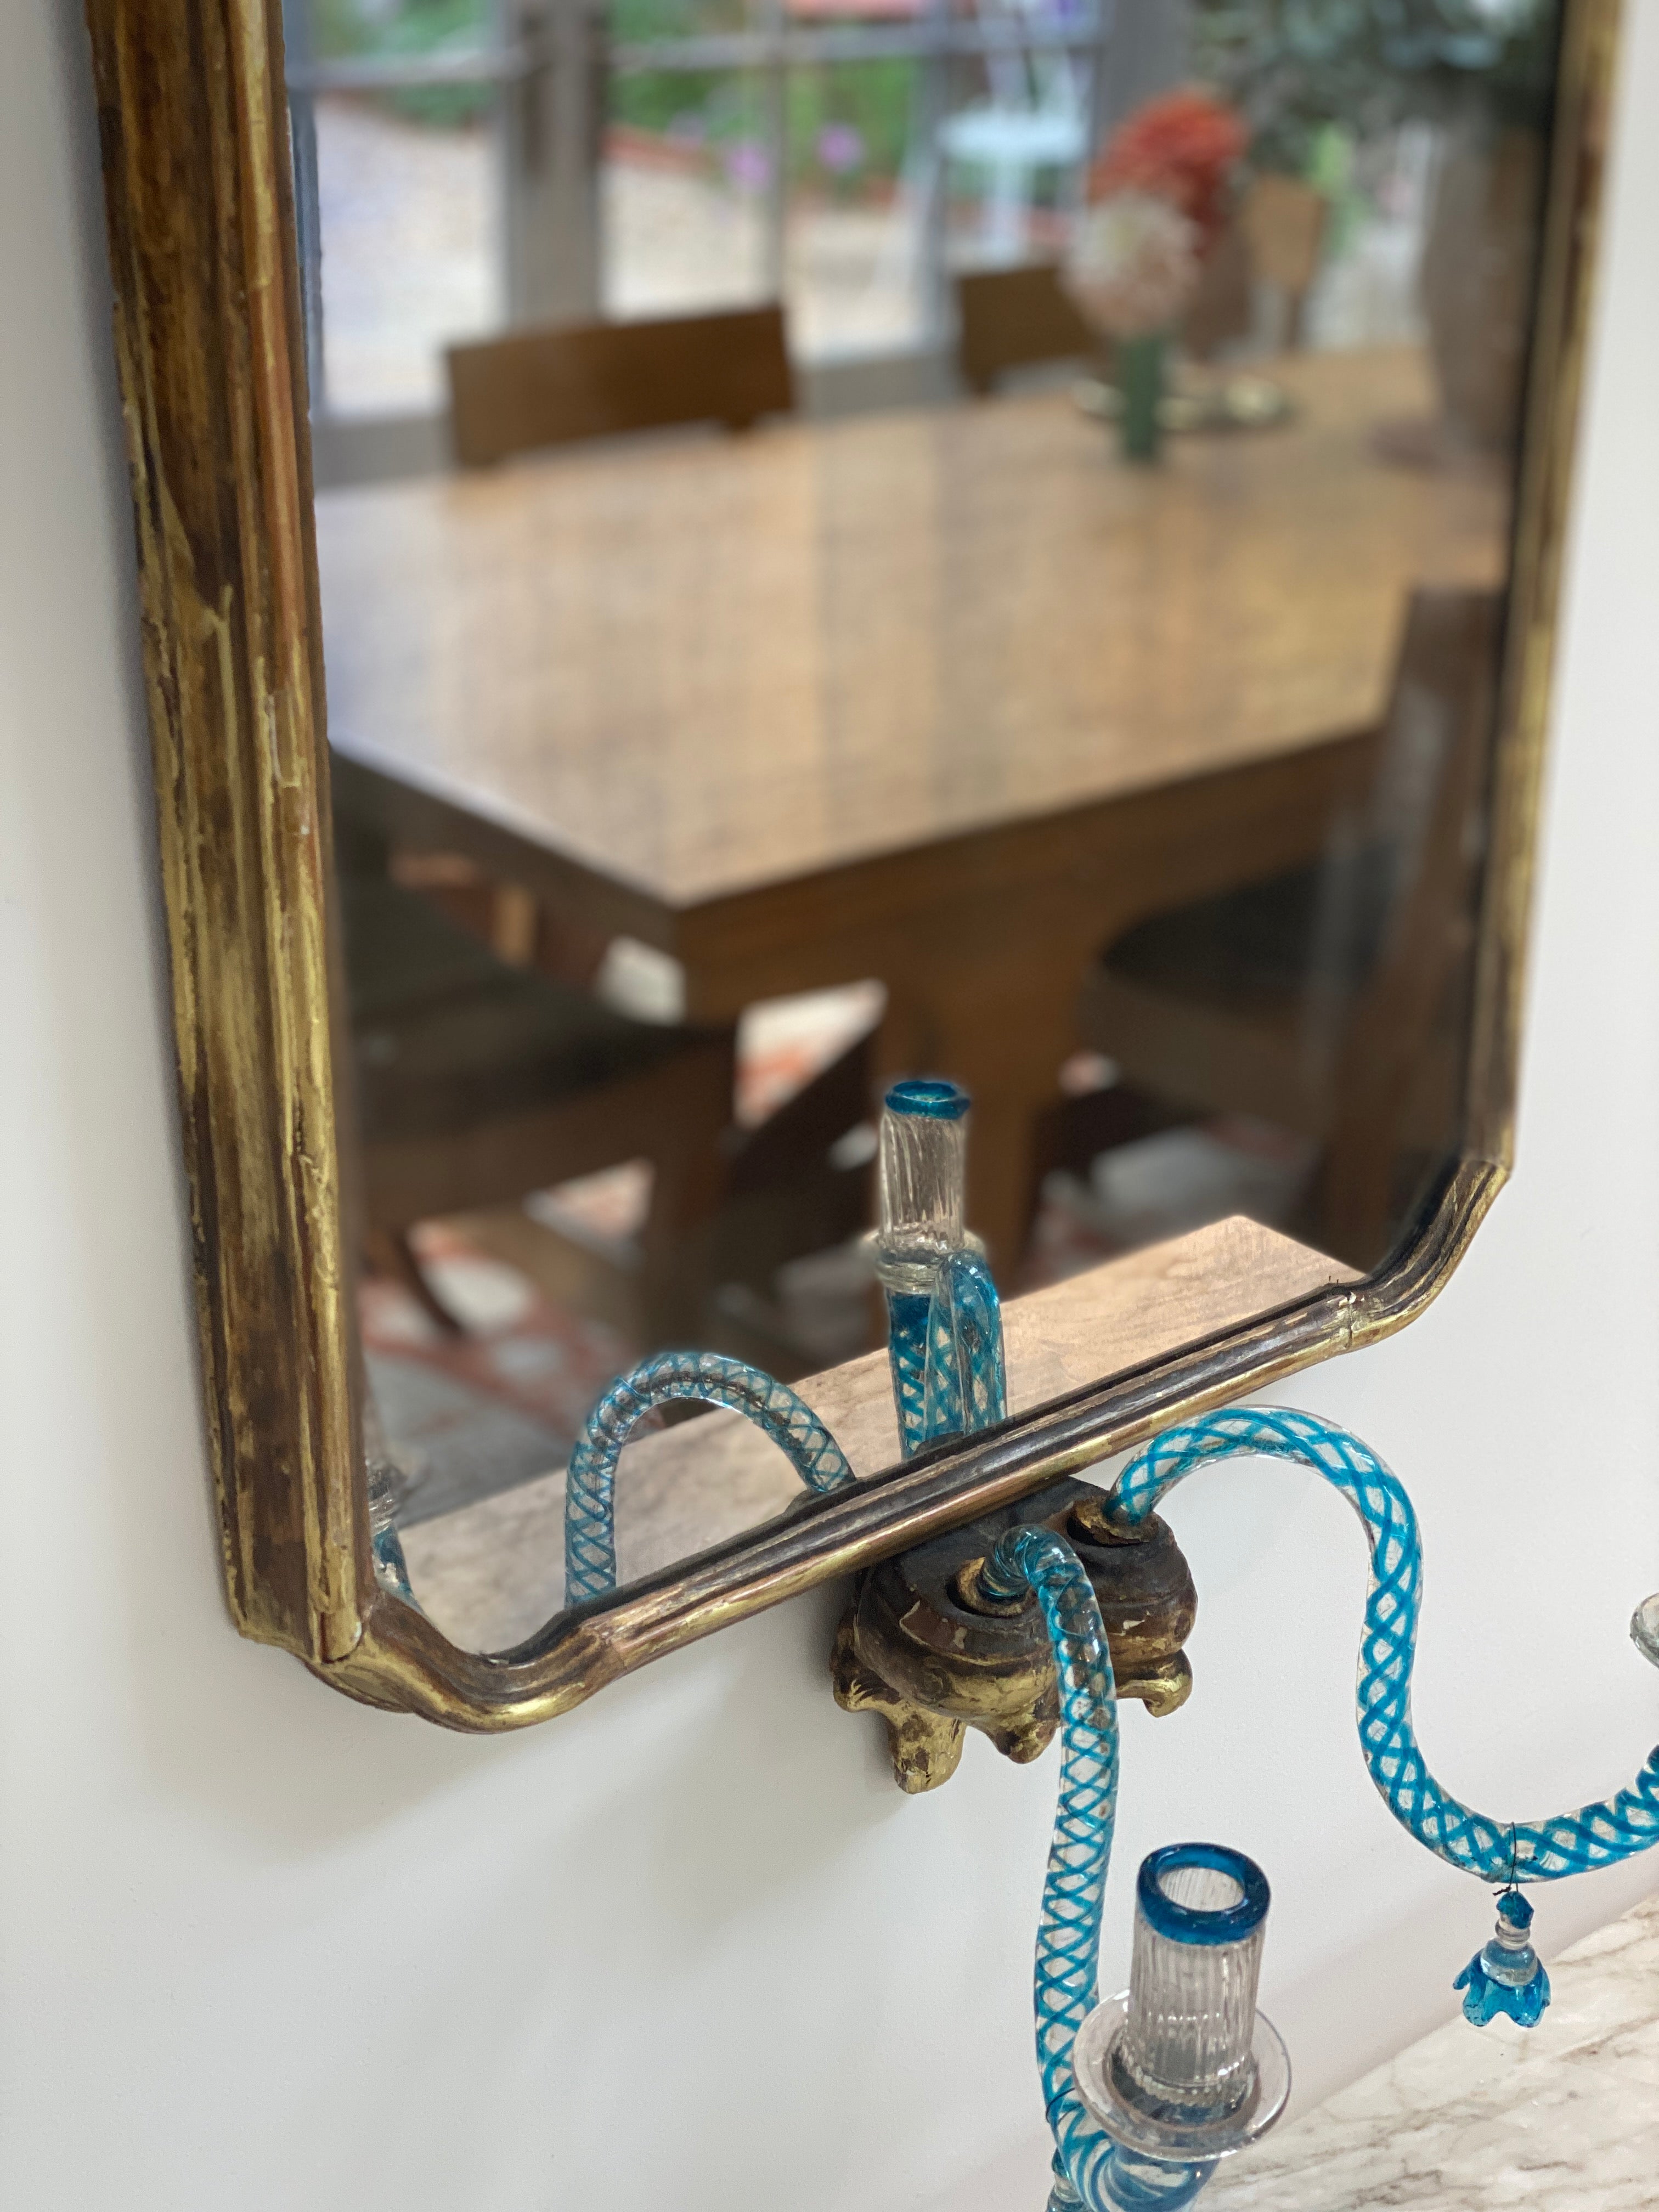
[946,698]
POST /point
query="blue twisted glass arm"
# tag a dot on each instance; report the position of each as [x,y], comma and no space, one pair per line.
[966,1384]
[1499,1851]
[387,1487]
[1067,1975]
[908,1315]
[391,1568]
[945,1352]
[590,1546]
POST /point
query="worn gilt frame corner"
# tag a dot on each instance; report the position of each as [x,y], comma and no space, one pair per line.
[208,331]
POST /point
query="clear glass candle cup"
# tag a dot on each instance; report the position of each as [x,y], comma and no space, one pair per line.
[1200,1916]
[924,1131]
[1183,2068]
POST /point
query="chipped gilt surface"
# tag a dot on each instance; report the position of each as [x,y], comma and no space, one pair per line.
[1561,2118]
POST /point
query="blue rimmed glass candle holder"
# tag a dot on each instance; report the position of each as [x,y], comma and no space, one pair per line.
[1183,2070]
[943,1318]
[924,1134]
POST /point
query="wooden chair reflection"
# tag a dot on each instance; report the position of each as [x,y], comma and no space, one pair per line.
[559,387]
[1222,308]
[551,387]
[1329,1000]
[1283,222]
[1009,319]
[477,1082]
[1274,240]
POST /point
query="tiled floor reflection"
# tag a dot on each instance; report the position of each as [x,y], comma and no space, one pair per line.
[469,1415]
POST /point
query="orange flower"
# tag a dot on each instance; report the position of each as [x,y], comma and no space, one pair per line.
[1180,148]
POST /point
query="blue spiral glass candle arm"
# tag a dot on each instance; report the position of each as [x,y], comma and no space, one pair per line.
[964,1381]
[944,1348]
[590,1539]
[1498,1851]
[1066,1978]
[1089,2170]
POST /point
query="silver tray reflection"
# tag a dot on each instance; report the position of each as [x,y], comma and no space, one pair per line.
[1228,402]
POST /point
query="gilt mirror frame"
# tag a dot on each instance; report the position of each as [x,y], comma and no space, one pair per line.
[194,128]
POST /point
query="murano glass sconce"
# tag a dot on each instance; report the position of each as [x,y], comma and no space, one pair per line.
[1145,2093]
[1033,1623]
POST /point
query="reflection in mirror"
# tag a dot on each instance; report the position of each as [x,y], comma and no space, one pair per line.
[859,539]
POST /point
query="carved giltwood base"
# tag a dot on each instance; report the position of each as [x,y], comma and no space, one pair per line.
[915,1646]
[926,1748]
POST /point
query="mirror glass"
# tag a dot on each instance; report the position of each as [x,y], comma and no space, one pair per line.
[867,537]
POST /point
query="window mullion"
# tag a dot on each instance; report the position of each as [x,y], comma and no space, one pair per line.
[552,131]
[308,213]
[1106,27]
[509,212]
[308,227]
[933,96]
[775,93]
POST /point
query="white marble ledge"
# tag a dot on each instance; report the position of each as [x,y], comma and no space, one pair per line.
[1561,2118]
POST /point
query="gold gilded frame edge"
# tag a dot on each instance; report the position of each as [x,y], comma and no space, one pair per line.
[193,127]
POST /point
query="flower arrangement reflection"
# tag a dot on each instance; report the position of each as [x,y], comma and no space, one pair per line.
[1181,149]
[1159,200]
[1135,264]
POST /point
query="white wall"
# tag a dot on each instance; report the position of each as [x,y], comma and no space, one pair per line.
[688,1948]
